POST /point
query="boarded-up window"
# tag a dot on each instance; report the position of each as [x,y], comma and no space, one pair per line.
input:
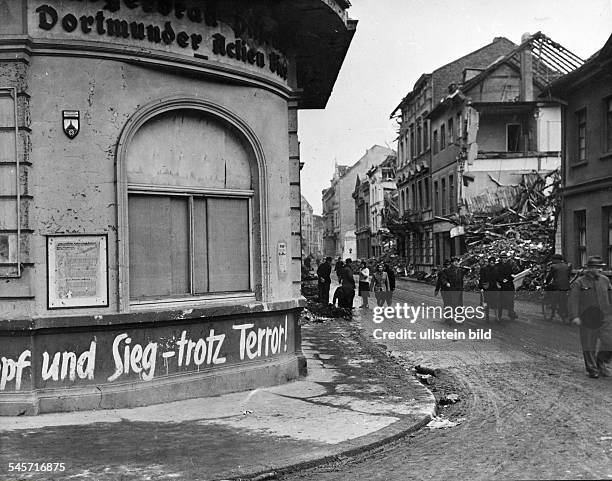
[188,245]
[189,208]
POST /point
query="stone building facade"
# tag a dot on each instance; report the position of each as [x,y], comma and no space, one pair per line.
[150,226]
[587,159]
[414,151]
[339,205]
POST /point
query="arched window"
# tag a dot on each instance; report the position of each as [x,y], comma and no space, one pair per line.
[191,182]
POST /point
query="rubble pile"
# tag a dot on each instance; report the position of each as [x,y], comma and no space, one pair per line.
[315,312]
[525,231]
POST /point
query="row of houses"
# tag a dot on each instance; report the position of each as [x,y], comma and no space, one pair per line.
[312,231]
[340,212]
[473,129]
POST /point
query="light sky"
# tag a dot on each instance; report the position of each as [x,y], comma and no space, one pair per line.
[398,40]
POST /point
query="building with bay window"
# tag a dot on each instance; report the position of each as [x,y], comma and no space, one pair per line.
[150,242]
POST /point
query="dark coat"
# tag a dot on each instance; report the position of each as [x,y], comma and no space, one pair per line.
[324,272]
[455,277]
[391,274]
[489,278]
[559,276]
[591,299]
[339,268]
[505,275]
[347,277]
[442,282]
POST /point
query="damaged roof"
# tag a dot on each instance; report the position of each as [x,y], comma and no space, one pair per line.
[551,61]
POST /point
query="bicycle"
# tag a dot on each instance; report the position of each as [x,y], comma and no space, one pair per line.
[550,300]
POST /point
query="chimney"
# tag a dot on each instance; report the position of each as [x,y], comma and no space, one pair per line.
[526,71]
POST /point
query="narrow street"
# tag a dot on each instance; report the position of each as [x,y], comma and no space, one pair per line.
[527,409]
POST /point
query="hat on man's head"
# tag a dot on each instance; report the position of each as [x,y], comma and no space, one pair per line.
[557,257]
[454,259]
[595,261]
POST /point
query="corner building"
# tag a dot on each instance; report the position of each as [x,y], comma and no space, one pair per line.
[150,176]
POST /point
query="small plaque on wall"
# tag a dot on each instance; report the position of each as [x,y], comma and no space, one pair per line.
[77,271]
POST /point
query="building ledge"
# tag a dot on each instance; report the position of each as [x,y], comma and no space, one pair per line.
[151,316]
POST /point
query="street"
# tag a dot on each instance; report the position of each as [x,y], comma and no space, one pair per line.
[528,409]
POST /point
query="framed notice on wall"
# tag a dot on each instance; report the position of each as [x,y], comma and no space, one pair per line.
[77,271]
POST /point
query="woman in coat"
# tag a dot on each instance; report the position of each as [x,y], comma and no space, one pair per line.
[364,284]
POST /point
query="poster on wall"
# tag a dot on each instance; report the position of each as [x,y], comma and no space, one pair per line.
[77,269]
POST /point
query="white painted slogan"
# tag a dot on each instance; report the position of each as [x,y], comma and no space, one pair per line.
[130,357]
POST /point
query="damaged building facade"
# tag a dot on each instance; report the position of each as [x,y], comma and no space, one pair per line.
[150,172]
[415,230]
[488,131]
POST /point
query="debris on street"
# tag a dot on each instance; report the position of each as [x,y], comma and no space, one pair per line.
[439,422]
[425,370]
[449,399]
[425,378]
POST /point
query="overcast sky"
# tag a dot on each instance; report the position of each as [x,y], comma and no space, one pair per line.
[398,40]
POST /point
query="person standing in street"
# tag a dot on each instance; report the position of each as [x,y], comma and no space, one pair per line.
[506,269]
[381,286]
[339,269]
[489,287]
[364,284]
[391,275]
[324,275]
[348,282]
[455,274]
[558,283]
[591,309]
[443,283]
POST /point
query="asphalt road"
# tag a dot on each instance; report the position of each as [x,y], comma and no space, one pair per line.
[527,409]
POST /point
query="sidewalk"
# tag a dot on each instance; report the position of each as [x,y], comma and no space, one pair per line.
[353,399]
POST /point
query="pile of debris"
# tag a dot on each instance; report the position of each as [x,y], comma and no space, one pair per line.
[315,312]
[525,231]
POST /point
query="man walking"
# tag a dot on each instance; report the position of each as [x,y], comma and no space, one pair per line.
[324,275]
[558,283]
[443,283]
[591,309]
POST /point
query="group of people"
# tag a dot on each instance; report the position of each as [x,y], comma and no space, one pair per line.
[496,284]
[381,281]
[586,301]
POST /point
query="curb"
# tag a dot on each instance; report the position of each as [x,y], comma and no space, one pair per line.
[368,445]
[365,444]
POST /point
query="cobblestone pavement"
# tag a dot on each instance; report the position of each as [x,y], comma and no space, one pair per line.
[527,409]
